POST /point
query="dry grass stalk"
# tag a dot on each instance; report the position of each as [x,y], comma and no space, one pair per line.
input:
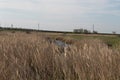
[30,57]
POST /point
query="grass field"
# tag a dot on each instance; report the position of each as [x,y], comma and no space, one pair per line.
[110,40]
[32,56]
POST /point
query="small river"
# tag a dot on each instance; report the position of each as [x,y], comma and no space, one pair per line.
[60,43]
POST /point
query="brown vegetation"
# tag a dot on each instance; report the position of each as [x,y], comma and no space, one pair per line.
[32,57]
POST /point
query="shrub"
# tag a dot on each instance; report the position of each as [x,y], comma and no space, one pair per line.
[28,32]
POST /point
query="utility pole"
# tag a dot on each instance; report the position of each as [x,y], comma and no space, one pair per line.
[0,26]
[93,28]
[38,26]
[11,25]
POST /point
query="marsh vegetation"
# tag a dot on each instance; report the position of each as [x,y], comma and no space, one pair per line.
[32,57]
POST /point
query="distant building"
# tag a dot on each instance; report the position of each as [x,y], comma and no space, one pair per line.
[84,31]
[78,30]
[113,32]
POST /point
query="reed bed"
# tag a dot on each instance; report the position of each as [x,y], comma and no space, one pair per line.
[32,57]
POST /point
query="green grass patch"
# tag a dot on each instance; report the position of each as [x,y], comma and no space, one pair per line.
[112,41]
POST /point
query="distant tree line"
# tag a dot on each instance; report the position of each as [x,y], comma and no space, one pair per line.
[16,29]
[29,30]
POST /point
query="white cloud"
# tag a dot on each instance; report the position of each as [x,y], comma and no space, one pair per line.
[51,4]
[59,7]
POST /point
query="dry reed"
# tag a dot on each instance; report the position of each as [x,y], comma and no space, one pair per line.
[31,57]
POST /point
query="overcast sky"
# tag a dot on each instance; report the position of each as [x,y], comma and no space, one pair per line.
[64,15]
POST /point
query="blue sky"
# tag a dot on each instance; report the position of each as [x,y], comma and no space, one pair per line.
[63,15]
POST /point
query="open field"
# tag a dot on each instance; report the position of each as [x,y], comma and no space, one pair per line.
[36,56]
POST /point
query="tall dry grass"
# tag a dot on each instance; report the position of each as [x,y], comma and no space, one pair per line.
[31,57]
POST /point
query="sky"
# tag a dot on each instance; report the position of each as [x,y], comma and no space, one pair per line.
[61,15]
